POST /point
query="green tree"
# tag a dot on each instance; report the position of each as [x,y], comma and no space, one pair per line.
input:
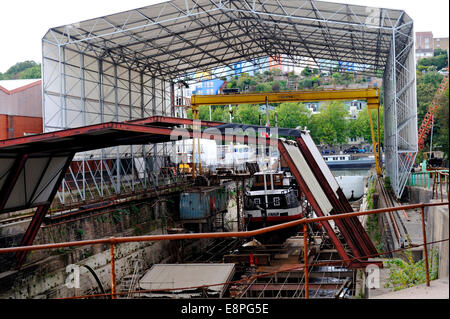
[306,72]
[31,73]
[291,115]
[330,125]
[276,87]
[264,87]
[360,127]
[437,62]
[220,114]
[427,85]
[22,70]
[203,113]
[443,118]
[19,67]
[337,78]
[247,114]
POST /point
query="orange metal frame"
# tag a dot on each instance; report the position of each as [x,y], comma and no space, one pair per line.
[113,241]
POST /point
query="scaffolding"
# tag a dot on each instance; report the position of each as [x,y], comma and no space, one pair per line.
[124,66]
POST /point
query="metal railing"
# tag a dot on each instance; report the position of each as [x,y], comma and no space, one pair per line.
[114,241]
[424,179]
[440,178]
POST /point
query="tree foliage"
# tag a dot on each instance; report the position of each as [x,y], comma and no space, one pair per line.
[292,115]
[22,70]
[427,85]
[248,114]
[437,62]
[360,127]
[330,125]
[442,116]
[405,273]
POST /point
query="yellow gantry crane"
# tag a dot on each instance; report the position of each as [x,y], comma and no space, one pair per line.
[371,95]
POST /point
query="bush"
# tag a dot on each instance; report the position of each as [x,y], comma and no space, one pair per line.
[406,273]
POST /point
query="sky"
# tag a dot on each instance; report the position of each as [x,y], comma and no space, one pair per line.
[23,23]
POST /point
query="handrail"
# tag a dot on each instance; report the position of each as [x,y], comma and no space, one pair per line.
[251,233]
[438,181]
[423,179]
[113,241]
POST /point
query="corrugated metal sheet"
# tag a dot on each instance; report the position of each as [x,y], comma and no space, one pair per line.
[169,276]
[203,202]
[21,101]
[321,162]
[309,178]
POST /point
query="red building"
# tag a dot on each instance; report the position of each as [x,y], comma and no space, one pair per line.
[275,62]
[20,108]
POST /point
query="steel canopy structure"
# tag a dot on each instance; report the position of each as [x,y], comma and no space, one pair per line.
[32,168]
[124,66]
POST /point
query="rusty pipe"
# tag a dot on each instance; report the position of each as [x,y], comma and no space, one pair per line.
[113,272]
[215,235]
[305,258]
[425,251]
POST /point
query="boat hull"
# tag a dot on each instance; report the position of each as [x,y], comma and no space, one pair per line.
[351,164]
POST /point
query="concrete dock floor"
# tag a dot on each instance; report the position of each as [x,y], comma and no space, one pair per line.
[438,289]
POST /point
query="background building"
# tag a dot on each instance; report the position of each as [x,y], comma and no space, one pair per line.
[424,45]
[20,108]
[440,43]
[209,87]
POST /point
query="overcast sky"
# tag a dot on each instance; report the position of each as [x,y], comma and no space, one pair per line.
[23,23]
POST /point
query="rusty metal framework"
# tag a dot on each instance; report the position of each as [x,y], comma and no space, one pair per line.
[123,67]
[31,181]
[115,241]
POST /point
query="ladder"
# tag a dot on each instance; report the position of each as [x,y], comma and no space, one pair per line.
[130,282]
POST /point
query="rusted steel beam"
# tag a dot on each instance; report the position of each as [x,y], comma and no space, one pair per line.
[173,121]
[284,153]
[337,205]
[113,202]
[214,235]
[38,217]
[144,130]
[113,272]
[425,250]
[352,229]
[293,287]
[260,259]
[305,258]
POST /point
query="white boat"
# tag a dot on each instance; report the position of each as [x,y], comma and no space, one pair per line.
[273,201]
[348,161]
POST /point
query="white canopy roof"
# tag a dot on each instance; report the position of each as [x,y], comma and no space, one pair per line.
[177,37]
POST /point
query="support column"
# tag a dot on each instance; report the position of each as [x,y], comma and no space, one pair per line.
[38,217]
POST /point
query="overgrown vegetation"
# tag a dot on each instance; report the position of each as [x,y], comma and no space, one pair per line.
[405,273]
[428,80]
[374,233]
[370,191]
[387,183]
[372,220]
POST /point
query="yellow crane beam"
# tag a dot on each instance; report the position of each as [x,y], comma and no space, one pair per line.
[371,95]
